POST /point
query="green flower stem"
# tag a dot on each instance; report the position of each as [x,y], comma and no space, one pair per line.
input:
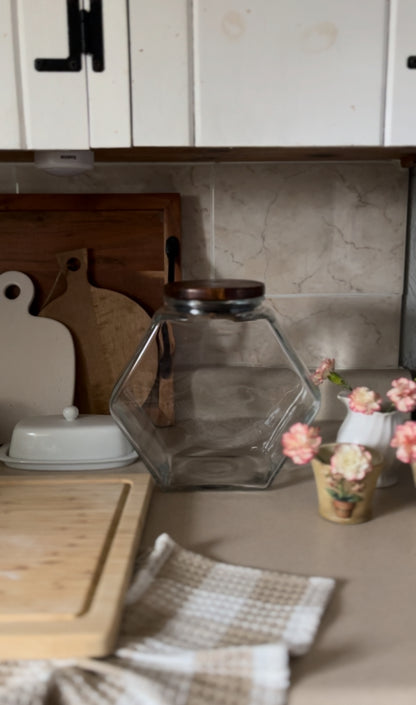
[337,379]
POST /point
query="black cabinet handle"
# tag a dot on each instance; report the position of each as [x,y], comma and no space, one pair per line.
[85,36]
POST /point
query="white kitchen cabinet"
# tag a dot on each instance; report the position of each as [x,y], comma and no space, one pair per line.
[308,73]
[10,137]
[161,68]
[65,109]
[286,73]
[401,75]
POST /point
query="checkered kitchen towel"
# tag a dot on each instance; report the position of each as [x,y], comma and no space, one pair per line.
[194,632]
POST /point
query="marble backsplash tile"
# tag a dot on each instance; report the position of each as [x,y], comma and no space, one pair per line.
[310,228]
[328,240]
[358,331]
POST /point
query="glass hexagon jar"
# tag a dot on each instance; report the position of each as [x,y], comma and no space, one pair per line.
[212,387]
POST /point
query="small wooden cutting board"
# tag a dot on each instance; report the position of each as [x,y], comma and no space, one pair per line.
[106,327]
[68,542]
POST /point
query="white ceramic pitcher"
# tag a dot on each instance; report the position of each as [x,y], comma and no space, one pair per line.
[376,431]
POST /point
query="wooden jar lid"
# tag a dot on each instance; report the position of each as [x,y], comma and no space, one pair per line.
[214,289]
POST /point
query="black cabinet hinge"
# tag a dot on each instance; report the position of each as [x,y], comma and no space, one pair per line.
[85,36]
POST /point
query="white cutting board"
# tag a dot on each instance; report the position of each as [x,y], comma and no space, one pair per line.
[37,357]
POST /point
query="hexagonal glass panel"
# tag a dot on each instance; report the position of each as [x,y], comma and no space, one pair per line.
[213,386]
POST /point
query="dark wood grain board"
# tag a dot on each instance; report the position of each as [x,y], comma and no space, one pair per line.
[125,235]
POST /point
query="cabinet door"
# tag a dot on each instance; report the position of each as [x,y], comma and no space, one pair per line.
[54,103]
[10,115]
[109,90]
[71,109]
[401,75]
[161,72]
[309,72]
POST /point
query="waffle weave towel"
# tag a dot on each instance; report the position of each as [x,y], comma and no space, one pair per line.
[194,632]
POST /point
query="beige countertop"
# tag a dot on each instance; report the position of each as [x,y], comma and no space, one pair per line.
[365,651]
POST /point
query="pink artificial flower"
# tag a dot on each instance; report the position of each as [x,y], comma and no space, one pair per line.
[351,461]
[404,440]
[403,394]
[364,400]
[322,372]
[301,443]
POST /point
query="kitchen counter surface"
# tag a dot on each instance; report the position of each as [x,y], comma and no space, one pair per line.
[365,650]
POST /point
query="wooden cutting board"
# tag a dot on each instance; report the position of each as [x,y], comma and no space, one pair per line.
[127,236]
[37,358]
[106,327]
[68,542]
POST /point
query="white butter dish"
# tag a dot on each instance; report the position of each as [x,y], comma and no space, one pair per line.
[68,442]
[104,464]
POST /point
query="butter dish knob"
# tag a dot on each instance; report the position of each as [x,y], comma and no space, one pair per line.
[70,413]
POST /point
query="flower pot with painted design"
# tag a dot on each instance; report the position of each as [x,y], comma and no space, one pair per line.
[345,493]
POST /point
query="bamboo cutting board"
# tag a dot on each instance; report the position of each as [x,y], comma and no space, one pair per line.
[66,555]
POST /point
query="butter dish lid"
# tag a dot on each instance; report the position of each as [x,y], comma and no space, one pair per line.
[70,438]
